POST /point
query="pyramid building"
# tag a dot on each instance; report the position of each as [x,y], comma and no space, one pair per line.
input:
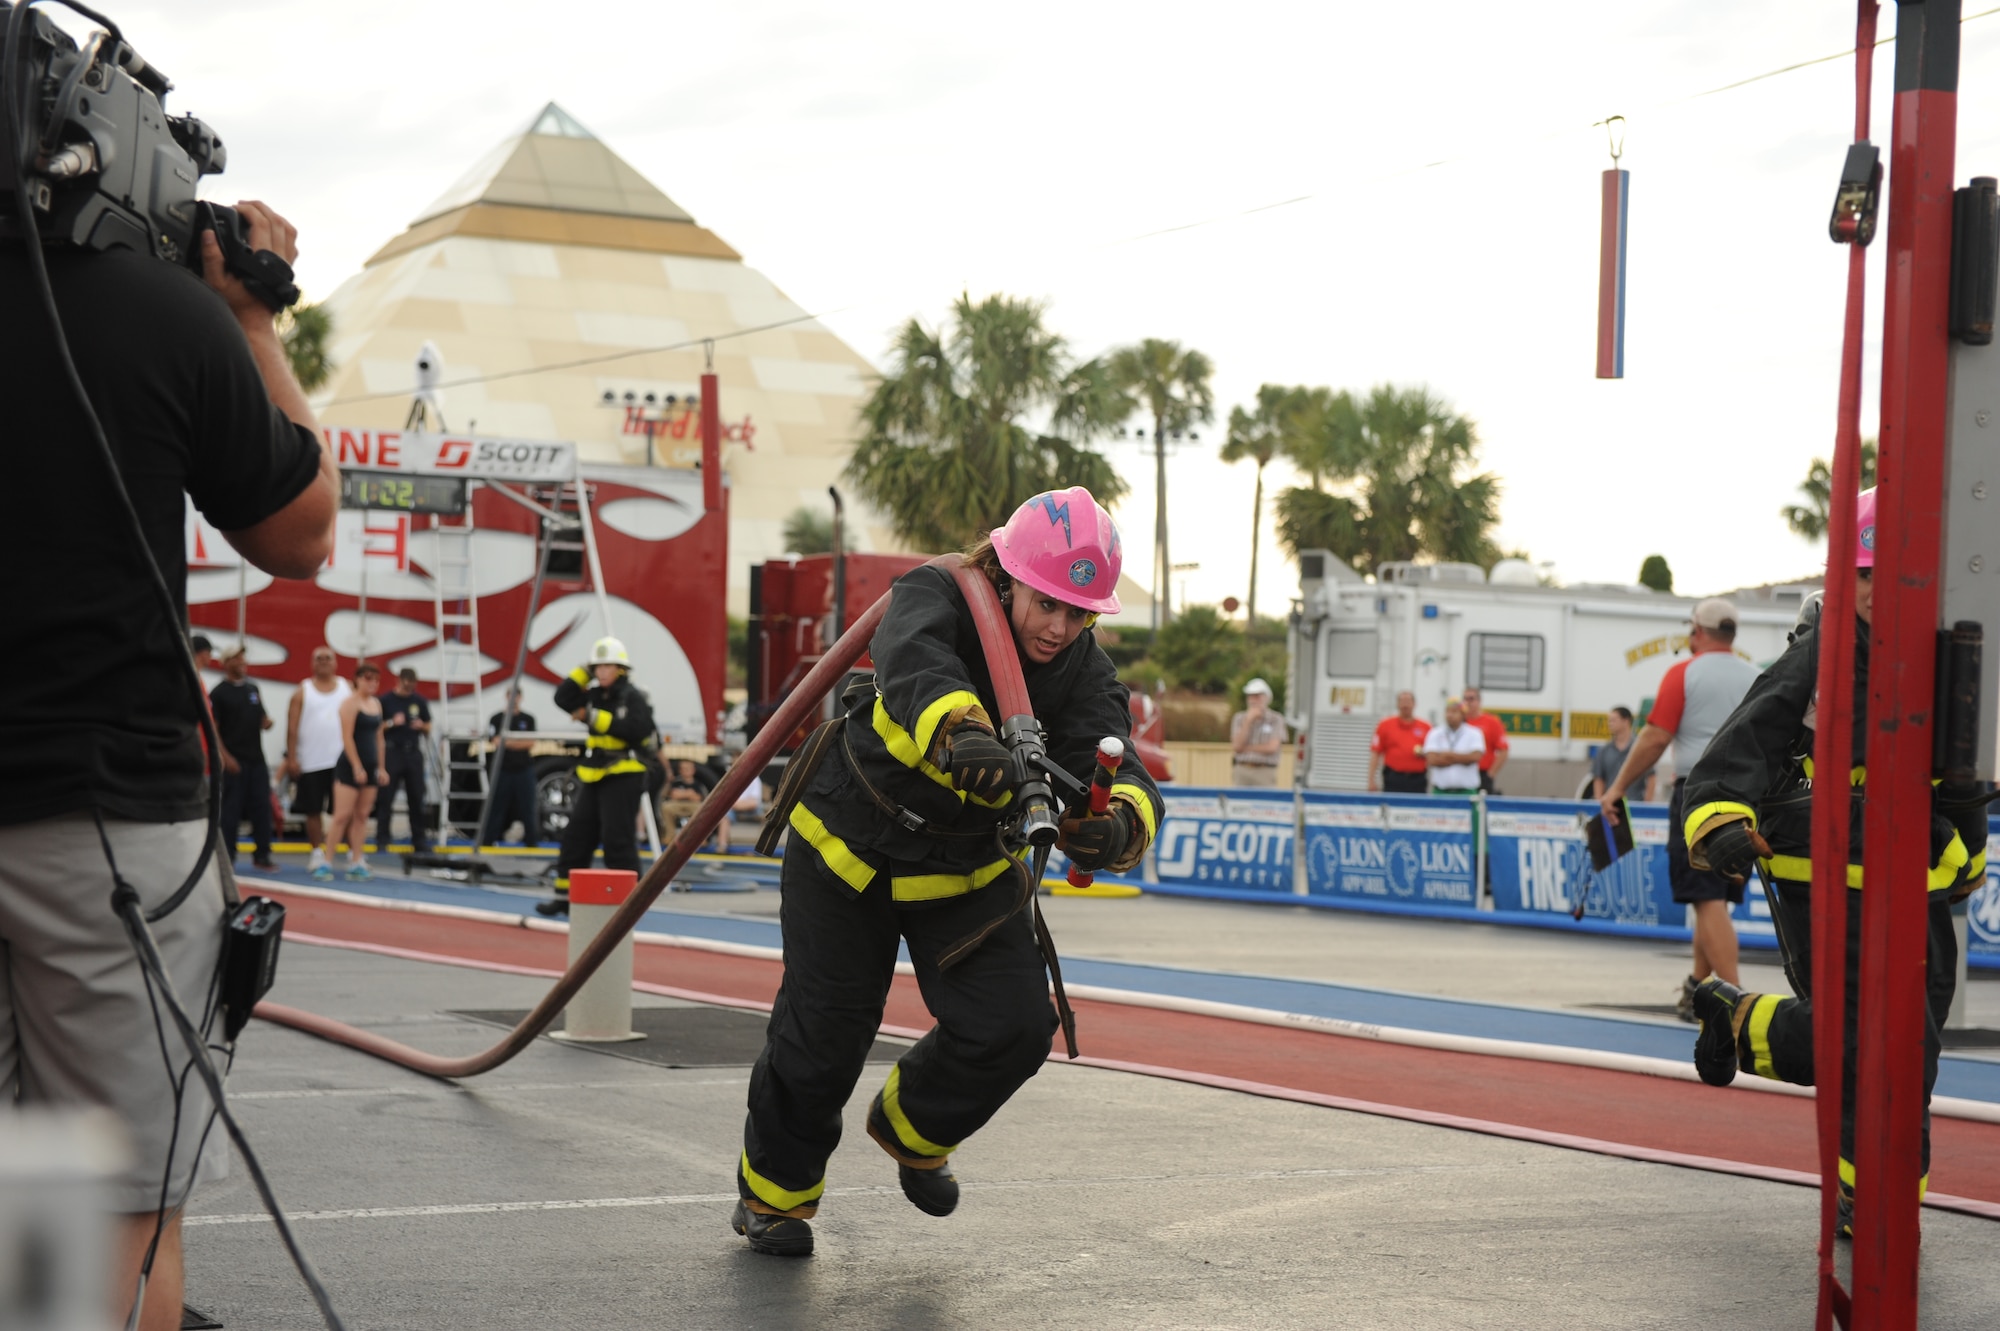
[551,273]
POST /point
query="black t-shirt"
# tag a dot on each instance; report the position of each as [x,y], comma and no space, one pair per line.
[239,718]
[94,711]
[411,708]
[513,760]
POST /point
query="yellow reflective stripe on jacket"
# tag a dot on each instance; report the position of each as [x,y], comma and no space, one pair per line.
[1691,825]
[1758,1028]
[1141,800]
[935,886]
[1976,866]
[892,1108]
[904,749]
[775,1197]
[1944,874]
[910,750]
[1857,776]
[600,720]
[587,773]
[845,864]
[581,675]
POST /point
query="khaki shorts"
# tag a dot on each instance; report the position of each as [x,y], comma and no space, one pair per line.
[75,1024]
[1253,774]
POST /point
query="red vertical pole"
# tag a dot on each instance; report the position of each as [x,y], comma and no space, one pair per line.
[1617,198]
[711,446]
[1834,743]
[1915,346]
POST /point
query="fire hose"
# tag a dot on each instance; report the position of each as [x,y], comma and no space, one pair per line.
[1019,729]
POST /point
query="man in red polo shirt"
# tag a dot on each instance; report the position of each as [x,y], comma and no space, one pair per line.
[1396,754]
[1496,739]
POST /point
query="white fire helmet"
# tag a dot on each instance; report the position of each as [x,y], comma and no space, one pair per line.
[609,651]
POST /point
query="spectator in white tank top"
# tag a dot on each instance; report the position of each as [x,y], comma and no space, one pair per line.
[313,746]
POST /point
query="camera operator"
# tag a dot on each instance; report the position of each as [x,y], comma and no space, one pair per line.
[101,760]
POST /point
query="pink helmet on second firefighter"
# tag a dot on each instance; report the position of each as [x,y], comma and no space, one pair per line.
[1864,529]
[1063,544]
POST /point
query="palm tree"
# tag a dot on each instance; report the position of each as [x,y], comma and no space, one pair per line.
[1810,518]
[1401,455]
[1171,383]
[945,452]
[305,331]
[1257,437]
[808,532]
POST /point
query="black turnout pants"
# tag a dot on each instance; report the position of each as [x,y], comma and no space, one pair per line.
[405,765]
[1778,1032]
[246,793]
[513,796]
[606,811]
[994,1025]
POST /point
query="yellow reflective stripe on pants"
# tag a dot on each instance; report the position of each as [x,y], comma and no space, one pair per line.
[775,1197]
[892,1108]
[1944,874]
[842,862]
[1758,1029]
[934,886]
[1691,825]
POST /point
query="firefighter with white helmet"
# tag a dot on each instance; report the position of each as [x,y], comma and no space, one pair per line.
[1749,799]
[611,775]
[895,811]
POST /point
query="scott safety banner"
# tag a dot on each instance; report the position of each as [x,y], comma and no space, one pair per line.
[1982,912]
[1391,850]
[1226,840]
[1540,864]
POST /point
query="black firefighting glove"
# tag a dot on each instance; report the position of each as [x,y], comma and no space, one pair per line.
[1731,849]
[977,762]
[1093,840]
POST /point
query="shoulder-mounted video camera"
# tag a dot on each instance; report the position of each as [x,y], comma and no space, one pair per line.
[101,165]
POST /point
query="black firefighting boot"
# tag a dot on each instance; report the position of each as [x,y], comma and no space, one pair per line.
[777,1235]
[929,1183]
[1716,1003]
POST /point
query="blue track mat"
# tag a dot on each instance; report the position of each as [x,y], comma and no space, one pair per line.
[1971,1079]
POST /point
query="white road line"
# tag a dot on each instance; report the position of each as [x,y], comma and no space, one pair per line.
[708,1198]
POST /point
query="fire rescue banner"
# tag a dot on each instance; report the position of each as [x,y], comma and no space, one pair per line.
[1539,863]
[1226,841]
[1391,851]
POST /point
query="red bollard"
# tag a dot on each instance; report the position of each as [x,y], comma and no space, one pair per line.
[601,1012]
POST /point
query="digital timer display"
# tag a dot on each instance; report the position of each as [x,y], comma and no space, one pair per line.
[402,492]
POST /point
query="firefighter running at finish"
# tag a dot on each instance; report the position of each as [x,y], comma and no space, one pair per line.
[1749,798]
[611,775]
[896,836]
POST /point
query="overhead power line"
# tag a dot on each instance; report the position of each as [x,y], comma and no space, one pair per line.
[1449,161]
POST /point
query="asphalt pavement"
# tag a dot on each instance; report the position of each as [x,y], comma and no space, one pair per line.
[579,1188]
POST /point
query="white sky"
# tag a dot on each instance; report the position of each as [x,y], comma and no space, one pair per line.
[873,159]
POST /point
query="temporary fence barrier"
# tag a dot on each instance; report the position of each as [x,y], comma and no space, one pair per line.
[1423,855]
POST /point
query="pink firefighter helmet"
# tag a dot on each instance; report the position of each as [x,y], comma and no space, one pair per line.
[1864,530]
[1063,544]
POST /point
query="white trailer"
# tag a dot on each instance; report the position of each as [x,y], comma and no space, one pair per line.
[1550,662]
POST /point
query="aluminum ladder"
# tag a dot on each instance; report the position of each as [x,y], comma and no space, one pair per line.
[457,725]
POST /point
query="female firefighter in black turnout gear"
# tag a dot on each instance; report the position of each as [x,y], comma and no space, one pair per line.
[894,835]
[611,775]
[1750,799]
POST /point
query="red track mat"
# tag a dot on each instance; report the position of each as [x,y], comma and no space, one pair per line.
[1649,1114]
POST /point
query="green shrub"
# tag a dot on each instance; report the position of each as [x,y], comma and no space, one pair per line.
[1200,650]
